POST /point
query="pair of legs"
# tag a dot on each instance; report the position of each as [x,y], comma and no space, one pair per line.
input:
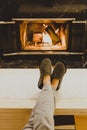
[42,114]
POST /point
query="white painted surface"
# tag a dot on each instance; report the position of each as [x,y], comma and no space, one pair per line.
[18,89]
[18,83]
[22,83]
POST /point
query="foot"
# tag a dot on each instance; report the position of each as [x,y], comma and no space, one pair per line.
[45,70]
[57,75]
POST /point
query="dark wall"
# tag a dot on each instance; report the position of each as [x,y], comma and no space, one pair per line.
[42,8]
[9,9]
[8,41]
[53,8]
[78,36]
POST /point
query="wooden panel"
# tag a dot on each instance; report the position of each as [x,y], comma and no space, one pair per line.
[81,122]
[13,119]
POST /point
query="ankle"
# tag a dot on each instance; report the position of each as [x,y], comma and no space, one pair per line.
[55,83]
[46,79]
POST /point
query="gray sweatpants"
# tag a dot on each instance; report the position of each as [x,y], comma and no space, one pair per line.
[42,114]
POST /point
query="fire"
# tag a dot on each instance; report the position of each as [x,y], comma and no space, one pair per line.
[47,38]
[42,37]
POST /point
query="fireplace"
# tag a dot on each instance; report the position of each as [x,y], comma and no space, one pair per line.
[39,35]
[51,35]
[38,27]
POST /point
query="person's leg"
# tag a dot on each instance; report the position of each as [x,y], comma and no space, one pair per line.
[44,109]
[45,106]
[42,114]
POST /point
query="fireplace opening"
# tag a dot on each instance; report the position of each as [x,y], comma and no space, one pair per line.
[43,36]
[40,35]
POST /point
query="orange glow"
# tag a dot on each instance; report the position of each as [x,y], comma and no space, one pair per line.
[33,36]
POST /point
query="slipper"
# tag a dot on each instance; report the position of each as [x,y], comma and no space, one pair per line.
[45,69]
[58,72]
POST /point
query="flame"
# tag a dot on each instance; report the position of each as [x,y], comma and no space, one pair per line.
[47,38]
